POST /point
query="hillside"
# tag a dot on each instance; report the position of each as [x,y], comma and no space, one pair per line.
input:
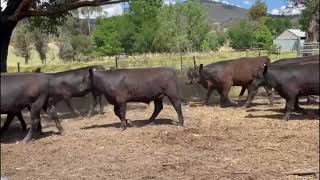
[223,16]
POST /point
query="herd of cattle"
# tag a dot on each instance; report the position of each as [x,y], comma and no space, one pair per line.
[291,78]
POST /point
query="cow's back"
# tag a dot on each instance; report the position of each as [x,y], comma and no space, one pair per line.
[299,60]
[139,85]
[240,71]
[305,78]
[19,89]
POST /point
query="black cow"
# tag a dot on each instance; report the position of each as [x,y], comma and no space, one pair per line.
[21,90]
[194,76]
[222,75]
[280,63]
[67,84]
[291,82]
[137,85]
[301,60]
[63,86]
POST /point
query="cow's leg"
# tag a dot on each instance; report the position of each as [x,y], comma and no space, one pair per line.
[74,110]
[210,90]
[243,90]
[290,101]
[224,98]
[9,119]
[270,94]
[122,114]
[252,91]
[120,111]
[35,117]
[96,99]
[54,116]
[22,122]
[158,106]
[297,108]
[93,106]
[100,104]
[176,102]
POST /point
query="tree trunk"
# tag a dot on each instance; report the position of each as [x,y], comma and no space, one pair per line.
[313,28]
[5,35]
[26,60]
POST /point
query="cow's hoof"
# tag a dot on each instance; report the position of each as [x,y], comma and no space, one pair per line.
[61,132]
[24,141]
[180,124]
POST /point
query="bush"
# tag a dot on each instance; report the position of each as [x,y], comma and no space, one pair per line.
[241,36]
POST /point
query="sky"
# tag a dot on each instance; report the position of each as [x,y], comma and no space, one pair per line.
[276,7]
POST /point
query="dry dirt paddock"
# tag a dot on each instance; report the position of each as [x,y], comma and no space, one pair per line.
[216,143]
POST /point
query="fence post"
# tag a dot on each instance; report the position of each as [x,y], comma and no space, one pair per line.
[116,59]
[259,52]
[181,61]
[194,62]
[18,66]
[246,52]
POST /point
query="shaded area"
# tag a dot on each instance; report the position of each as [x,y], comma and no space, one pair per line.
[135,123]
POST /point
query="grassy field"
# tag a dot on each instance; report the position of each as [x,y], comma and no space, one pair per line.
[54,64]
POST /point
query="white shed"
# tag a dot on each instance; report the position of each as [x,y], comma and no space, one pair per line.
[290,39]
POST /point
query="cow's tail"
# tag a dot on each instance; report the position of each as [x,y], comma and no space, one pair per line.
[91,76]
[268,61]
[175,77]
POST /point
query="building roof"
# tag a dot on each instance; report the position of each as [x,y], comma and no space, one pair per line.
[297,32]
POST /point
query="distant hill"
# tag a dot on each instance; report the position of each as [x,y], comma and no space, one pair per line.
[220,12]
[224,16]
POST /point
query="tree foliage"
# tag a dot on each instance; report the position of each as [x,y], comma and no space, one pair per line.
[107,38]
[277,25]
[22,43]
[241,36]
[309,20]
[258,10]
[41,44]
[262,37]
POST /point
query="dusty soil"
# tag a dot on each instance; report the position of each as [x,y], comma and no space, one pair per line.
[216,143]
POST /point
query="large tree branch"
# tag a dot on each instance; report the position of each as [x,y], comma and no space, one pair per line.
[67,8]
[21,11]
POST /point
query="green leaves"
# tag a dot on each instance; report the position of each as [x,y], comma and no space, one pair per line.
[107,38]
[21,42]
[150,26]
[242,36]
[258,10]
[182,28]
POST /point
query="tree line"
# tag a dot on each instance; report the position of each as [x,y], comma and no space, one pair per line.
[151,26]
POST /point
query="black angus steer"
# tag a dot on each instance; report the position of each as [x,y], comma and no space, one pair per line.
[67,84]
[21,90]
[225,74]
[259,80]
[291,82]
[63,86]
[137,85]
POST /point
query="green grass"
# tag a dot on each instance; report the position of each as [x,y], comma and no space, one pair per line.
[139,61]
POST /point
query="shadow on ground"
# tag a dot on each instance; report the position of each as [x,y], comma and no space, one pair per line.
[310,115]
[15,134]
[135,123]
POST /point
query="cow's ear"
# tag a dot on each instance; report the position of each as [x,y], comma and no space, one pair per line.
[200,67]
[265,69]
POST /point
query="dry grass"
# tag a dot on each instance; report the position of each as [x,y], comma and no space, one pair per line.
[137,61]
[216,143]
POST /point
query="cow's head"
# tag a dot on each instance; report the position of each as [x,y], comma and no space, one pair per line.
[38,70]
[260,77]
[87,80]
[193,76]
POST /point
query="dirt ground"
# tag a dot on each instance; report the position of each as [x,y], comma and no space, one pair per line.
[216,143]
